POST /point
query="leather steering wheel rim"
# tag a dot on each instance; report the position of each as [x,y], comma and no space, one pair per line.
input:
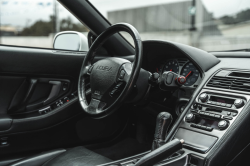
[98,107]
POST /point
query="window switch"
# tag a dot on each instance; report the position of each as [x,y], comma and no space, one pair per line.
[65,86]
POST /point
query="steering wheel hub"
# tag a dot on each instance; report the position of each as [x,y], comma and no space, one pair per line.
[104,75]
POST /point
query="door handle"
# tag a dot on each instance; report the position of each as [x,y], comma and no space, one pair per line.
[54,91]
[31,89]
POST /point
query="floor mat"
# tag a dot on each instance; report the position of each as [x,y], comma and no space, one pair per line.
[125,148]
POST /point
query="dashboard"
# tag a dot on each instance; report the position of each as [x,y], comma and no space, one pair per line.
[181,66]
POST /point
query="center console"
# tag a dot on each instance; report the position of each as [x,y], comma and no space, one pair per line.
[211,114]
[214,110]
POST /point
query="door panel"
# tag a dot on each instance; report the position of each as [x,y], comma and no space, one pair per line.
[36,87]
[31,80]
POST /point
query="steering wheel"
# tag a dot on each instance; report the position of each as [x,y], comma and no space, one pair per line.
[111,79]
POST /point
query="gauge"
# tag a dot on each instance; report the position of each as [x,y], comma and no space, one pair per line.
[191,73]
[171,65]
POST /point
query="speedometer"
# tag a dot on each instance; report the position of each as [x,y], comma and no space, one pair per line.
[191,73]
[171,65]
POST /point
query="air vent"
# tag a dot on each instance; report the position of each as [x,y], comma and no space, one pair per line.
[182,61]
[230,83]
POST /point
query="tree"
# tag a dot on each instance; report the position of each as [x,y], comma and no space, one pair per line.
[39,28]
[240,17]
[68,25]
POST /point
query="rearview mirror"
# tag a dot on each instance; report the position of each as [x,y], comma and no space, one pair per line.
[70,40]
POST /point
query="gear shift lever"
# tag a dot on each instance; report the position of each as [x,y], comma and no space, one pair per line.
[163,122]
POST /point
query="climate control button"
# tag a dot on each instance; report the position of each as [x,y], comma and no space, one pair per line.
[223,124]
[238,103]
[190,117]
[203,97]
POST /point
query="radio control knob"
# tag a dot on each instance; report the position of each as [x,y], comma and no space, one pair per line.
[190,117]
[238,103]
[203,97]
[223,124]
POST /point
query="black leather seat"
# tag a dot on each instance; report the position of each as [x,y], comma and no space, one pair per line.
[78,156]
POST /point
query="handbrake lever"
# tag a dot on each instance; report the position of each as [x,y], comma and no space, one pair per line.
[161,153]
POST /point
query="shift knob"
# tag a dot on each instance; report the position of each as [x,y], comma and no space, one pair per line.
[163,121]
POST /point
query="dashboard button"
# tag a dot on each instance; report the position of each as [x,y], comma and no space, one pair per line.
[199,107]
[217,116]
[198,126]
[238,103]
[214,103]
[122,74]
[223,125]
[203,97]
[223,104]
[206,113]
[218,103]
[211,115]
[229,105]
[193,125]
[227,117]
[234,114]
[195,105]
[203,127]
[228,113]
[202,113]
[190,117]
[209,128]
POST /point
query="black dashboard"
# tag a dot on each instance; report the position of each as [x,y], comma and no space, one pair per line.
[160,57]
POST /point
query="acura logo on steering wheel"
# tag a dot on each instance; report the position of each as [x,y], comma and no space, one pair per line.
[106,68]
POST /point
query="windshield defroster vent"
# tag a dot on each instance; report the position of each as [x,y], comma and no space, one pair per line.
[230,83]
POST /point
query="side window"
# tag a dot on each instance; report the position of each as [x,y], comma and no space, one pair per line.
[34,23]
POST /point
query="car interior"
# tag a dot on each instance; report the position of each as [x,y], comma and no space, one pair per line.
[116,104]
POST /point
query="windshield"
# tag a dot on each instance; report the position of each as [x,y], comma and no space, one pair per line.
[211,25]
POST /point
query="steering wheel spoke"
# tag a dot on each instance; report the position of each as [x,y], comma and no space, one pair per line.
[118,88]
[87,70]
[95,106]
[125,73]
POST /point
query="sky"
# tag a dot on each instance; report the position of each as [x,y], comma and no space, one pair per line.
[25,12]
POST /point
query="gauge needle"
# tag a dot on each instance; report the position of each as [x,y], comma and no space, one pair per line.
[157,70]
[170,69]
[188,74]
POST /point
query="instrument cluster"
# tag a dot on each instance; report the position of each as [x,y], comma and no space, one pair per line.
[182,67]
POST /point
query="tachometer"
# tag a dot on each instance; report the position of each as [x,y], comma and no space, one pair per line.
[191,73]
[171,65]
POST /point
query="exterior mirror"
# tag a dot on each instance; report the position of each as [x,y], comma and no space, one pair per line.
[70,40]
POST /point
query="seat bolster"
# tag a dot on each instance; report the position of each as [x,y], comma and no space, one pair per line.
[38,159]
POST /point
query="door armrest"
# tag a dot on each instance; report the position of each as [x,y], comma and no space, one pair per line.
[5,122]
